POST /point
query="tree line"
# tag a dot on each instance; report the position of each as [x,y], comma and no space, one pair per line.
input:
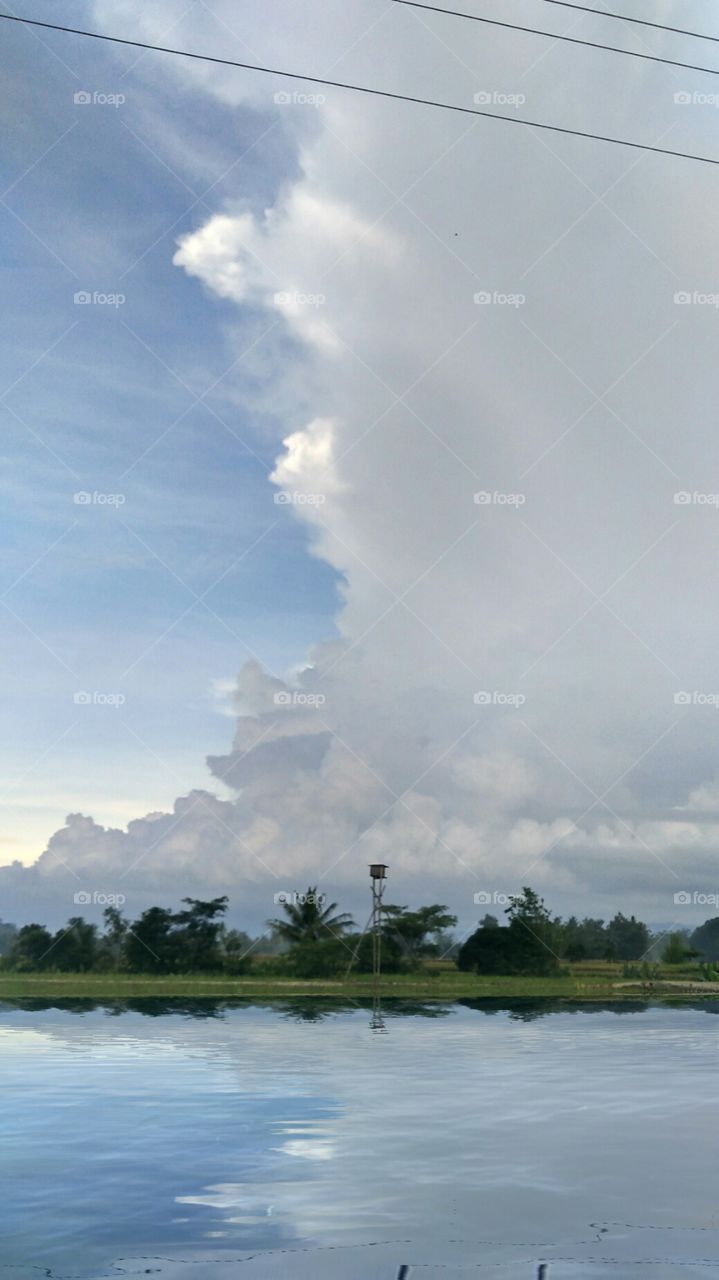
[314,940]
[308,940]
[534,941]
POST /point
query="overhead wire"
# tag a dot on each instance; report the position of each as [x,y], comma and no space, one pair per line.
[388,94]
[625,17]
[555,37]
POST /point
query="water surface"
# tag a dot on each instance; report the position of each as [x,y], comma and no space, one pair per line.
[217,1139]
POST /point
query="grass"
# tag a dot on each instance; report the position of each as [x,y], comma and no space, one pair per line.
[594,980]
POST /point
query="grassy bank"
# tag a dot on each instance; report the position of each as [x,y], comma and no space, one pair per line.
[583,982]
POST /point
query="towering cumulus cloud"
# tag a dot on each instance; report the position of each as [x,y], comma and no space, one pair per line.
[493,401]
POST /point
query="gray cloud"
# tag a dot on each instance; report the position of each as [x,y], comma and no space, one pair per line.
[577,597]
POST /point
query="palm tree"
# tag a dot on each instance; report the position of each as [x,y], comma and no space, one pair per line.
[308,918]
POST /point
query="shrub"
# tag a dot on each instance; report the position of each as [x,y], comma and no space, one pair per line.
[326,959]
[236,965]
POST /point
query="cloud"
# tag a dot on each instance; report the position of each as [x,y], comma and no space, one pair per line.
[572,596]
[307,458]
[279,262]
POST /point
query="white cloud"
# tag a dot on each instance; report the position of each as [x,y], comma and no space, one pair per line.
[308,457]
[590,598]
[280,261]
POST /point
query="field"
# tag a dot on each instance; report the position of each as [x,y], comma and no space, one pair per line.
[596,980]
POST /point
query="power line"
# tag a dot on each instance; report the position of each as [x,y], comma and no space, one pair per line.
[552,35]
[642,22]
[358,88]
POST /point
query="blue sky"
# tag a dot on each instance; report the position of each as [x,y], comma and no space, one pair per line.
[481,693]
[100,400]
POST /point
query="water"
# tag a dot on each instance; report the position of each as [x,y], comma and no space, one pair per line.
[212,1140]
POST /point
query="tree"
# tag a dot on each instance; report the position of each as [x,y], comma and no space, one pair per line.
[527,945]
[307,918]
[593,937]
[627,939]
[529,907]
[197,934]
[417,931]
[573,946]
[31,948]
[705,939]
[511,950]
[74,946]
[445,945]
[676,950]
[319,958]
[583,939]
[111,946]
[486,951]
[528,916]
[235,949]
[8,933]
[394,956]
[149,944]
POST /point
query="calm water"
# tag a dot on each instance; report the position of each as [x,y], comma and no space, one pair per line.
[211,1140]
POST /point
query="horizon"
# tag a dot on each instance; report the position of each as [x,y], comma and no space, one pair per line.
[384,433]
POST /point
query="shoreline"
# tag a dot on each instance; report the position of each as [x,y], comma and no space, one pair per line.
[444,988]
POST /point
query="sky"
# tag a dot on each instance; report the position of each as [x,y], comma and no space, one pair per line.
[361,485]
